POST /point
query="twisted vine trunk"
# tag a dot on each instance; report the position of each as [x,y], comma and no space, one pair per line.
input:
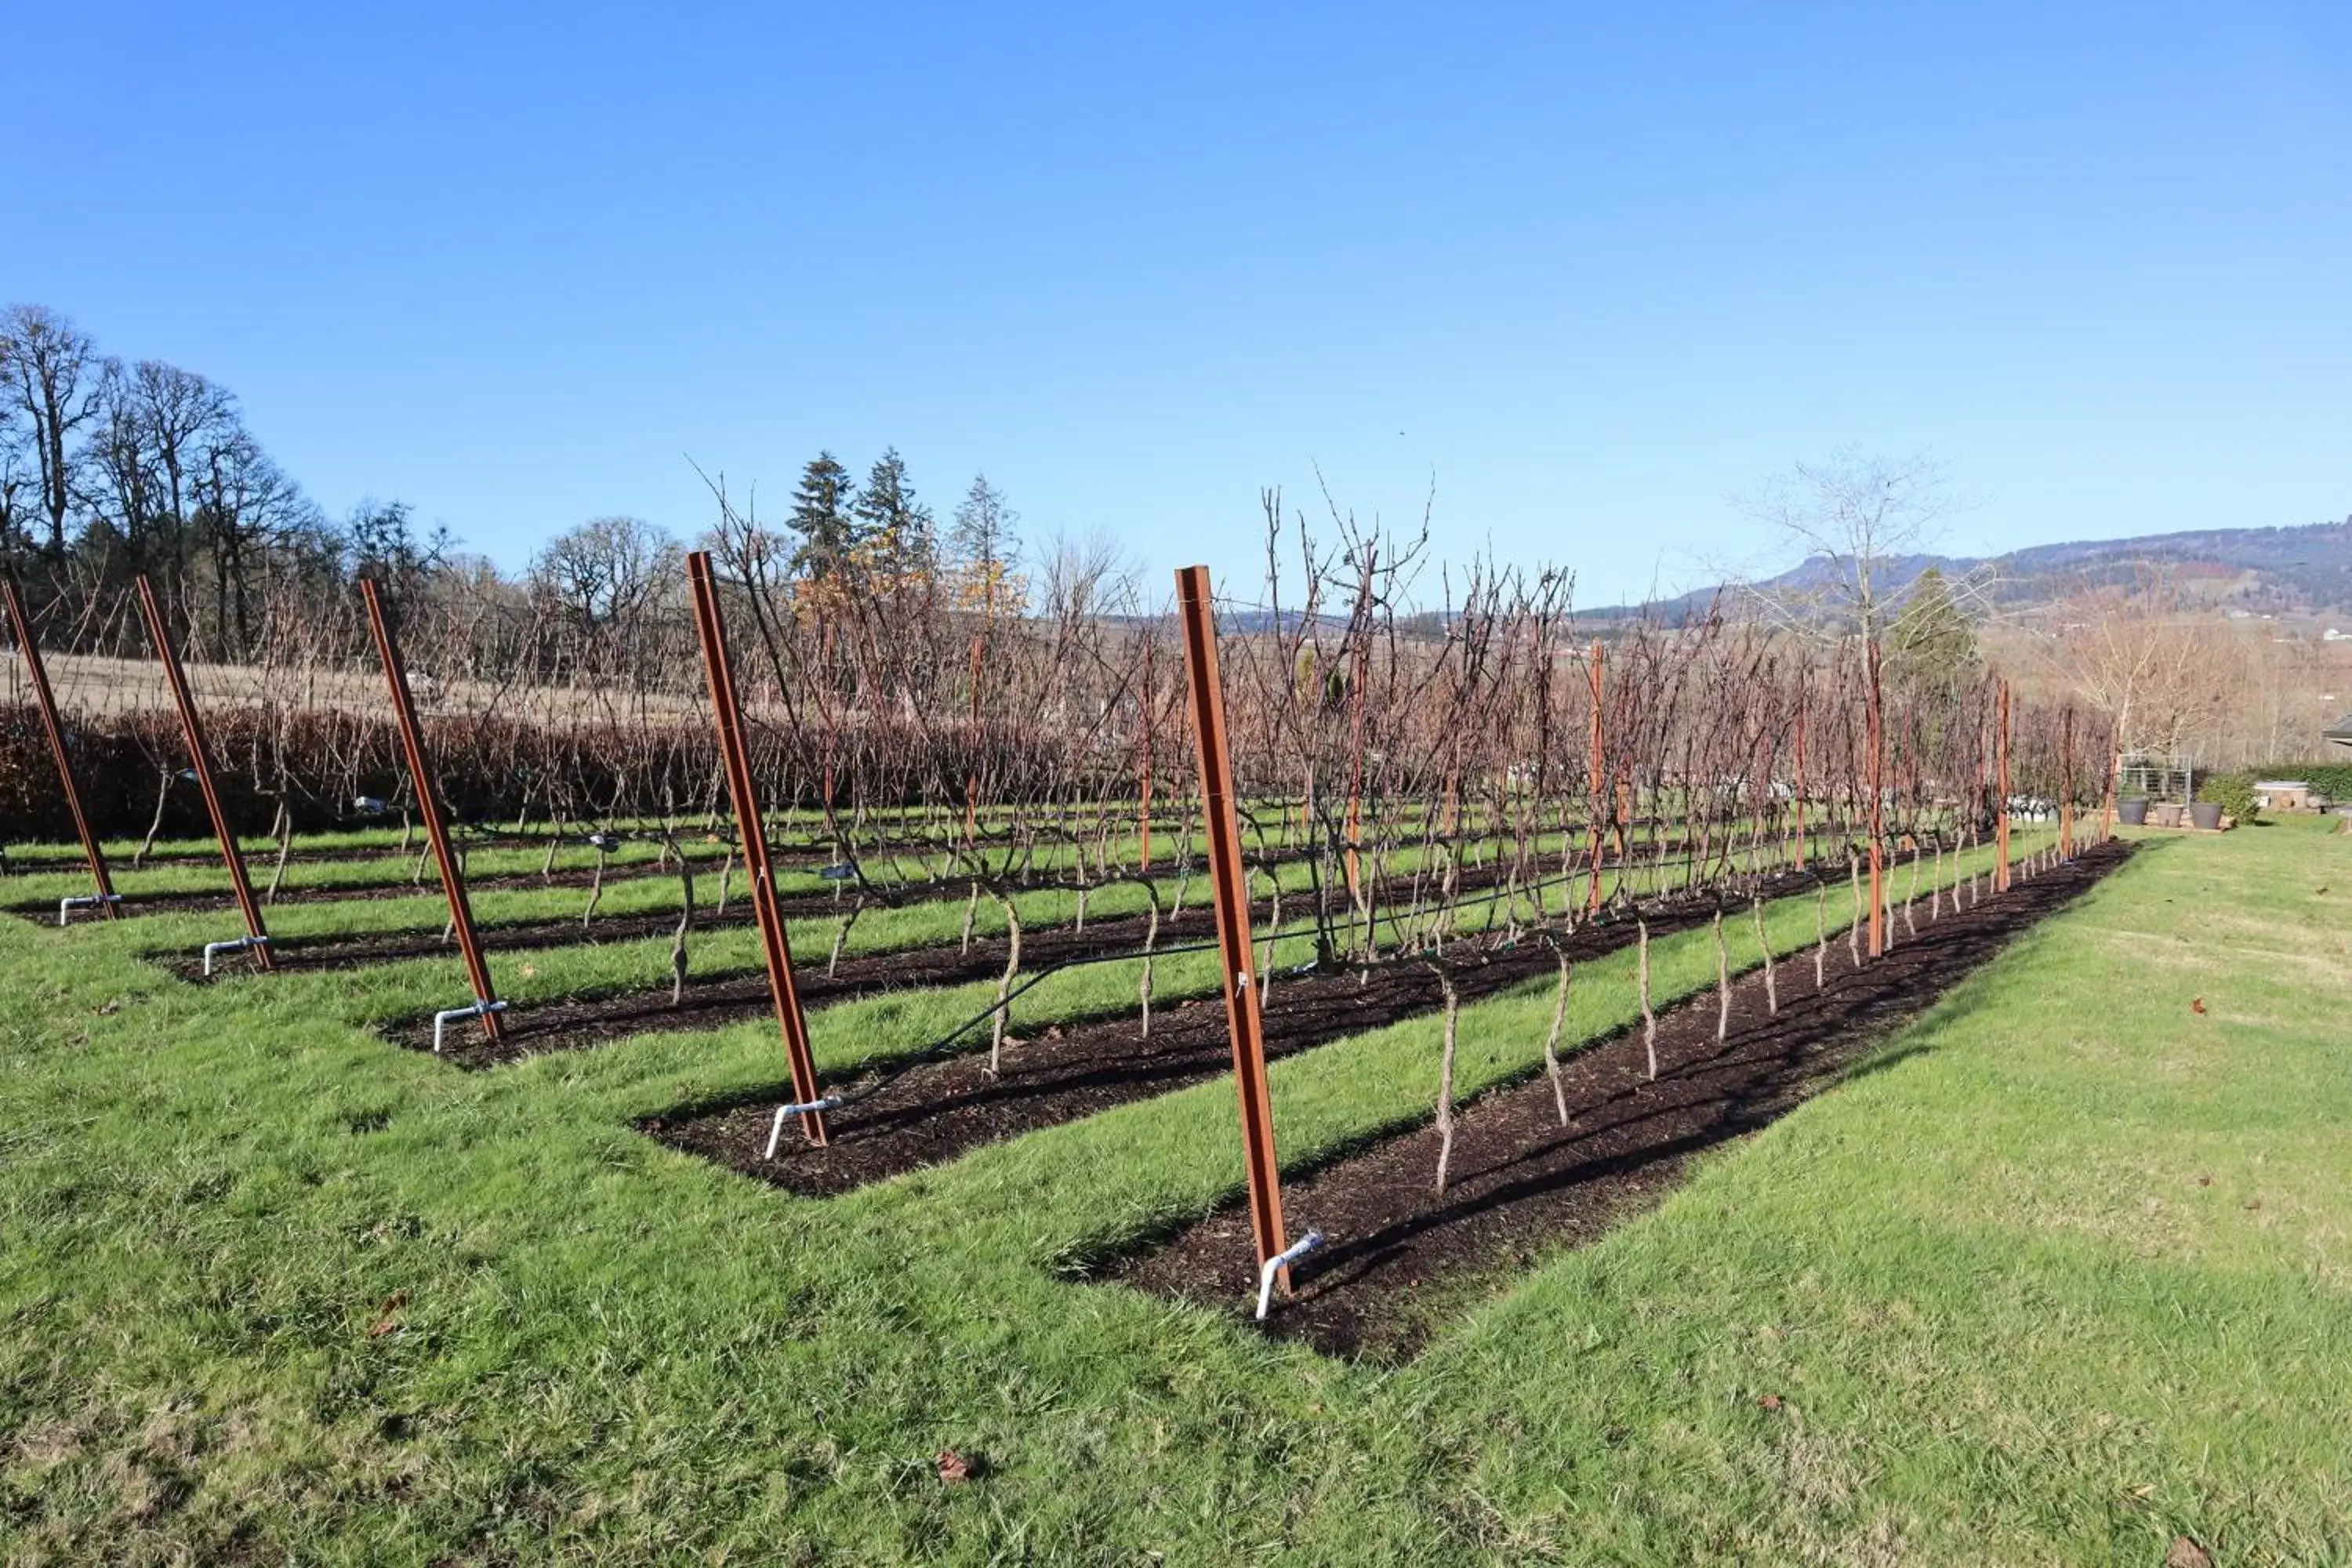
[1551,1039]
[1004,986]
[1649,1016]
[1445,1078]
[678,959]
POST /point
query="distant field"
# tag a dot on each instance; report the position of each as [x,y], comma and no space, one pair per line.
[101,687]
[2058,1272]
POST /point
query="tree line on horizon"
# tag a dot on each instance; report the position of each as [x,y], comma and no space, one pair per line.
[111,469]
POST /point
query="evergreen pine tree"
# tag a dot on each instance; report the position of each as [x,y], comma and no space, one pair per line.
[892,524]
[824,514]
[985,541]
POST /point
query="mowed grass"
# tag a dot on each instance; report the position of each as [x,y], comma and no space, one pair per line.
[2062,1276]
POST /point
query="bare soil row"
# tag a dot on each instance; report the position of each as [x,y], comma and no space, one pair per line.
[899,1118]
[1401,1257]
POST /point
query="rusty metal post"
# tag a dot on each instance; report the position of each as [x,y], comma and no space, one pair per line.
[2001,789]
[1352,824]
[55,728]
[200,762]
[428,807]
[2066,784]
[1877,803]
[972,780]
[1799,799]
[1143,803]
[1594,777]
[2105,802]
[1228,878]
[727,710]
[1360,675]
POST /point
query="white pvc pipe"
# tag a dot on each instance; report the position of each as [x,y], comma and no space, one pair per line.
[1274,1265]
[242,944]
[476,1009]
[776,1128]
[85,902]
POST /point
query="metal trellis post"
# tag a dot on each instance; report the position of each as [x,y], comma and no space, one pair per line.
[1143,804]
[428,807]
[1877,739]
[107,899]
[1594,778]
[257,935]
[2001,789]
[1228,878]
[727,710]
[2066,784]
[1798,798]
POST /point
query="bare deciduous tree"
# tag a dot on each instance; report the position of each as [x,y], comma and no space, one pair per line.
[52,371]
[2154,670]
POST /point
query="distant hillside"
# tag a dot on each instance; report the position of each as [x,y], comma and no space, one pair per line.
[2278,571]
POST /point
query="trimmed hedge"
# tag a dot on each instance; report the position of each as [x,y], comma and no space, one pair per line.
[2333,780]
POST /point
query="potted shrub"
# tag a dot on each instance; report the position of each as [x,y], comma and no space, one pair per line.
[2221,792]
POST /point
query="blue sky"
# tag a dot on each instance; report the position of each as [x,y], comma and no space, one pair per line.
[1596,270]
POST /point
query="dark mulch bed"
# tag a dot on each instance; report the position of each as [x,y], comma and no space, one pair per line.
[499,938]
[715,998]
[900,1119]
[45,913]
[795,851]
[258,868]
[259,864]
[1398,1257]
[883,895]
[577,1022]
[795,905]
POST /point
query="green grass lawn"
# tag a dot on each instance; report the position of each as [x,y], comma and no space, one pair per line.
[2065,1274]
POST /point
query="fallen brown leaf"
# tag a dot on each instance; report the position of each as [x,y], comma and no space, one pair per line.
[1771,1401]
[2187,1553]
[2203,1180]
[2196,1006]
[387,1315]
